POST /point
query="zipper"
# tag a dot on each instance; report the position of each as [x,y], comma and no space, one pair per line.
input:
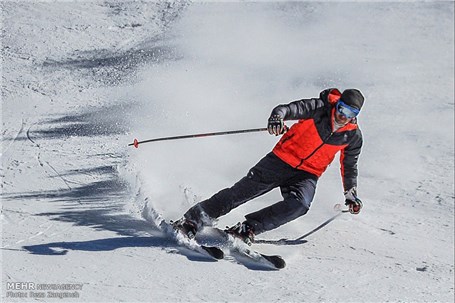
[315,150]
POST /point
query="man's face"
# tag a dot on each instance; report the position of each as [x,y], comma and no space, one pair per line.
[342,119]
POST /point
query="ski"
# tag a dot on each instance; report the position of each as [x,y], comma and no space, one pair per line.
[277,261]
[214,251]
[227,242]
[237,246]
[191,243]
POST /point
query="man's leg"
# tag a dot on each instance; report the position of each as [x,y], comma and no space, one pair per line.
[296,203]
[263,177]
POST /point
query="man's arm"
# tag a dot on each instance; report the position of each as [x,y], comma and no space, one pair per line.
[349,172]
[301,109]
[349,158]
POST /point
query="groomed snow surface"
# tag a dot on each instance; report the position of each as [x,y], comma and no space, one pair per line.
[81,80]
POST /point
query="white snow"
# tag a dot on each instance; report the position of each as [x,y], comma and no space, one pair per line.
[81,80]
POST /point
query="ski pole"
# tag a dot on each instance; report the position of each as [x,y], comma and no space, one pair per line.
[242,131]
[322,225]
[300,240]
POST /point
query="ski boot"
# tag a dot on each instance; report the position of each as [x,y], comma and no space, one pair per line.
[242,231]
[185,227]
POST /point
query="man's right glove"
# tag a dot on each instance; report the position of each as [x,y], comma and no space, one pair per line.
[276,125]
[354,203]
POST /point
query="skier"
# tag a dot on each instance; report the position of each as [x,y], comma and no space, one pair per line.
[326,125]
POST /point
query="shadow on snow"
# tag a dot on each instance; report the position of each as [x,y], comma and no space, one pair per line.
[100,205]
[110,244]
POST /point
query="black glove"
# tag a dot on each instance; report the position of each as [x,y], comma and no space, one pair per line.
[276,125]
[352,201]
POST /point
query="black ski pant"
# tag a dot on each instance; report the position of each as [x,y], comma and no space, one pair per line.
[297,188]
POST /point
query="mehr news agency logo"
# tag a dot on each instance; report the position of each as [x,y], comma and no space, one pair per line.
[33,290]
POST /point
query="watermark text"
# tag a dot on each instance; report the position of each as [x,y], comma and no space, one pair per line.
[43,290]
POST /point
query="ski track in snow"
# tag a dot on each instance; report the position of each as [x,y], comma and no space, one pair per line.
[79,206]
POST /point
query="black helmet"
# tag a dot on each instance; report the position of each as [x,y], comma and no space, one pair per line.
[353,97]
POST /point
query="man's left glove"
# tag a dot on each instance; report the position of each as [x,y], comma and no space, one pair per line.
[352,201]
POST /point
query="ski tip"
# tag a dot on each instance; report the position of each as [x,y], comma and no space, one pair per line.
[215,252]
[136,143]
[280,264]
[277,261]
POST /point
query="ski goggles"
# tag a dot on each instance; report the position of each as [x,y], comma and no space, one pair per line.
[346,110]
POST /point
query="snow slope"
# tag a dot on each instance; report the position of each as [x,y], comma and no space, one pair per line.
[81,80]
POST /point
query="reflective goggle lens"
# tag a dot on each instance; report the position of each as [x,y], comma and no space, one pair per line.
[346,110]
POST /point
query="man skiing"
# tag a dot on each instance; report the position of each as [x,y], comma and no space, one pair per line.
[326,125]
